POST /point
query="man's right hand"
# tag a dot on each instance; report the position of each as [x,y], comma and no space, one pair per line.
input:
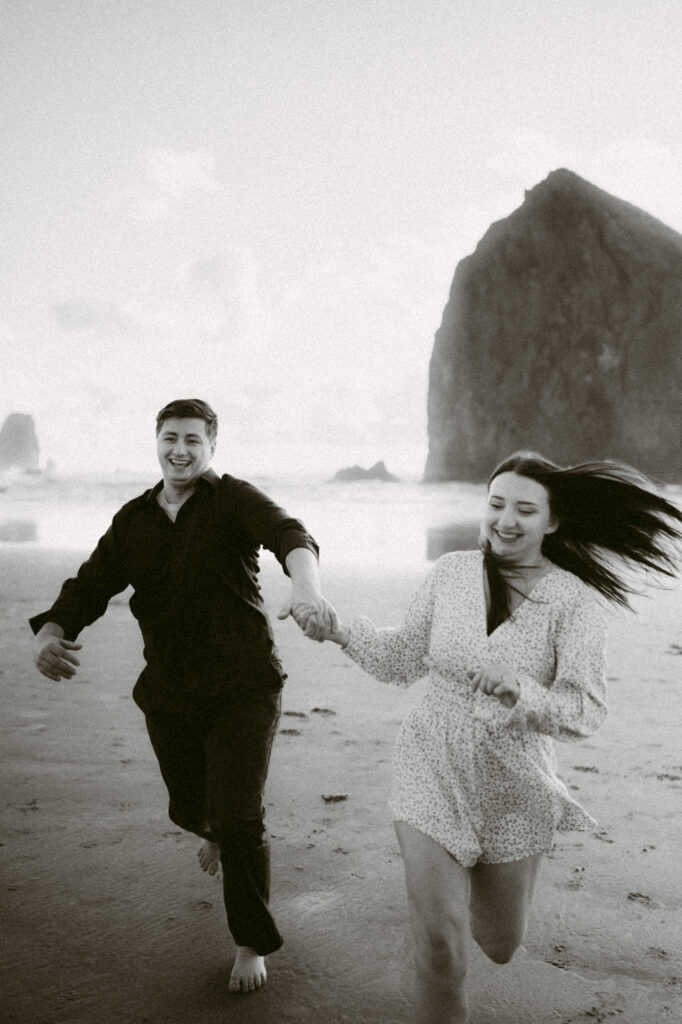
[53,657]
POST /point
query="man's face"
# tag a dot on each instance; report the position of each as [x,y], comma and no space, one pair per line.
[184,450]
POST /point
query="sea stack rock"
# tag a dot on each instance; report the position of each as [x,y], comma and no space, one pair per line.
[18,443]
[376,472]
[562,334]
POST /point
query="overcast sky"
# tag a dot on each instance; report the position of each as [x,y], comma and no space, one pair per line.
[263,202]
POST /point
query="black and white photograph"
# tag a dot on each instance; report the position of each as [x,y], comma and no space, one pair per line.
[341,511]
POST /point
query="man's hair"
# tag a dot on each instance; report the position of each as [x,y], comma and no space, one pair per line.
[186,409]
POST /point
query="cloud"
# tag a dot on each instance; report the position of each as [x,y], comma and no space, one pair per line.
[530,155]
[330,365]
[641,171]
[179,174]
[78,315]
[634,168]
[171,178]
[203,274]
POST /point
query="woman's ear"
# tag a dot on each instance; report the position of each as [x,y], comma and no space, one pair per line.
[552,526]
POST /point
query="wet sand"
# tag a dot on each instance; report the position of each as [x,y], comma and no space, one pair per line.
[106,916]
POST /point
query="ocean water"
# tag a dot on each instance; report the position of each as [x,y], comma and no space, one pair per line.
[368,523]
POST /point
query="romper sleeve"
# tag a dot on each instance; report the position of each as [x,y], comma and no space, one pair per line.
[573,705]
[396,655]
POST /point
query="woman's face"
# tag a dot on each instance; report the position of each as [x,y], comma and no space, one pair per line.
[517,518]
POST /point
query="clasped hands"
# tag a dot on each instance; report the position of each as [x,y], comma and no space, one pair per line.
[313,614]
[496,680]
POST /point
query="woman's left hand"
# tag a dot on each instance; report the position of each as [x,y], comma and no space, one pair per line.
[497,680]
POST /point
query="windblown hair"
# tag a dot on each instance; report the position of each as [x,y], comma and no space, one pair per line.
[189,408]
[614,527]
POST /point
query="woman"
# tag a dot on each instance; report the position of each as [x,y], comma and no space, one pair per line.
[513,642]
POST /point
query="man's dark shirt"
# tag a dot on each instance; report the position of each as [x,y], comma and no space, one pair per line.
[197,597]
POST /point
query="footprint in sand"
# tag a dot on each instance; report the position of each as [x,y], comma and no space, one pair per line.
[660,954]
[646,901]
[561,960]
[578,878]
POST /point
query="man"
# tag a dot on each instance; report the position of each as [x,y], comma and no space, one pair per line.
[211,686]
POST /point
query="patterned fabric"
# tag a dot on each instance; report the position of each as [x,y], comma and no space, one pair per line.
[477,777]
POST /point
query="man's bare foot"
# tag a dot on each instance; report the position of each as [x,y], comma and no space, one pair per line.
[209,856]
[248,972]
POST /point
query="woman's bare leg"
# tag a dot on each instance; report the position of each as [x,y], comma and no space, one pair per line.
[437,889]
[500,898]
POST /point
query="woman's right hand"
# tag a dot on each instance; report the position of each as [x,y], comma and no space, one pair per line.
[340,635]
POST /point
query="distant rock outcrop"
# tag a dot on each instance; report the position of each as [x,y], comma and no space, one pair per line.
[376,472]
[18,443]
[563,334]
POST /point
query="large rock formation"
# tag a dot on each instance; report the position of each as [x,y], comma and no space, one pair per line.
[563,333]
[18,443]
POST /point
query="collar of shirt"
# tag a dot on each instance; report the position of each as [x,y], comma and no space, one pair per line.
[210,478]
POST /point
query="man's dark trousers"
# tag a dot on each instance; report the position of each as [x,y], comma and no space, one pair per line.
[214,762]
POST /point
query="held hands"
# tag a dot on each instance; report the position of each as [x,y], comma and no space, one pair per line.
[497,680]
[312,613]
[53,657]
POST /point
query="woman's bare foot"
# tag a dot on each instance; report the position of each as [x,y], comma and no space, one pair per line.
[248,972]
[209,856]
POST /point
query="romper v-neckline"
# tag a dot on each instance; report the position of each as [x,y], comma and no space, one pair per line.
[483,607]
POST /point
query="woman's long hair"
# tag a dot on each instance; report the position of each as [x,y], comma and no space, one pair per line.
[613,527]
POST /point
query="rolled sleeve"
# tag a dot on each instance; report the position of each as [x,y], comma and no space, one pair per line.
[270,525]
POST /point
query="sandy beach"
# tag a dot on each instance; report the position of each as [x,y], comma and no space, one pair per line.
[107,918]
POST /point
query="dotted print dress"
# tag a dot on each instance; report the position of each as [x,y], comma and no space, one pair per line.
[477,777]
